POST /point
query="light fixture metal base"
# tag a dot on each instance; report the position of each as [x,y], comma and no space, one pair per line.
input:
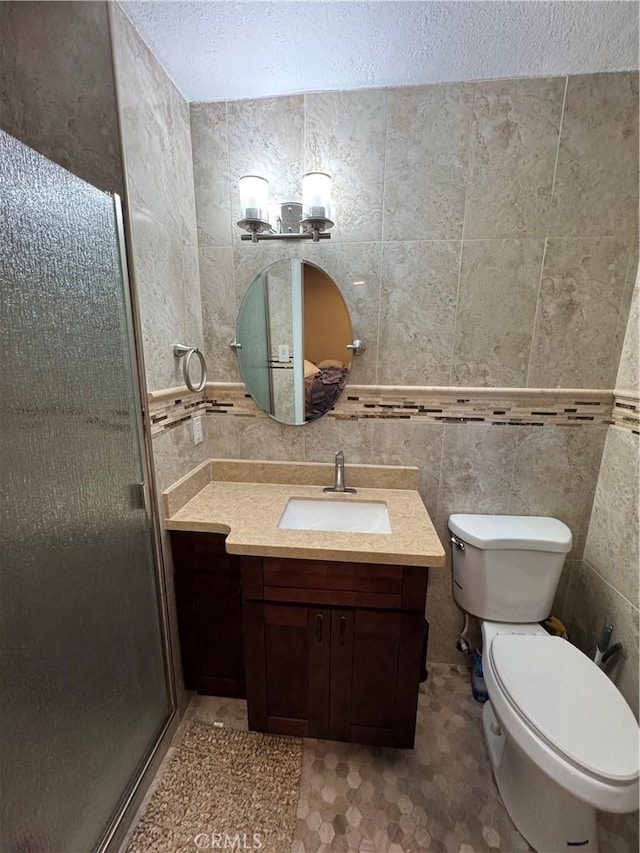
[274,236]
[316,226]
[312,229]
[254,227]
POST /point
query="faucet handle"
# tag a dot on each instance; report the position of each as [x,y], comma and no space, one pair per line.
[339,455]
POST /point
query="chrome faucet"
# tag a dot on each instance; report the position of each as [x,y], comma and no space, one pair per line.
[339,485]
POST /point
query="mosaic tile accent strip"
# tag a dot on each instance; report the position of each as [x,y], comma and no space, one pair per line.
[498,406]
[626,412]
[510,406]
[171,407]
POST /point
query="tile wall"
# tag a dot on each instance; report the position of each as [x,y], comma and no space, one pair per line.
[492,225]
[58,93]
[604,587]
[154,121]
[492,228]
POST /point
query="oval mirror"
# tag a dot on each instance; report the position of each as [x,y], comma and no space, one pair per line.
[291,340]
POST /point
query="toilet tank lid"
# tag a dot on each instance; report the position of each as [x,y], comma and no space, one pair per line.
[528,532]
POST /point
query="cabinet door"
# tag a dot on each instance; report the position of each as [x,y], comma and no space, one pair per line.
[375,670]
[218,612]
[287,658]
[209,603]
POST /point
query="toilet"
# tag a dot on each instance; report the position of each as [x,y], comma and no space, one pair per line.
[562,740]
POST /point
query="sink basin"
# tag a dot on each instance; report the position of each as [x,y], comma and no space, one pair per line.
[345,516]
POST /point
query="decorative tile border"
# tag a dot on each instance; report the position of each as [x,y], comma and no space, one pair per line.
[504,406]
[171,407]
[626,411]
[496,406]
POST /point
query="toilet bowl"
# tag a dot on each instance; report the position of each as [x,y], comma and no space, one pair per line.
[561,738]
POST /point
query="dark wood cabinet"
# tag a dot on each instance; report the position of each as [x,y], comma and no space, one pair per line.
[317,668]
[326,649]
[208,584]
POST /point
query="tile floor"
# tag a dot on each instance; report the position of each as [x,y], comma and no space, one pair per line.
[438,797]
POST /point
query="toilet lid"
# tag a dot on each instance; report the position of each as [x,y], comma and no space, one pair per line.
[570,702]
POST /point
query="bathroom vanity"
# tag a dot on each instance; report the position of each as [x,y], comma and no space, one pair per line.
[324,632]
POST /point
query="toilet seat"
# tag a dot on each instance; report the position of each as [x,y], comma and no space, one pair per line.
[605,793]
[569,703]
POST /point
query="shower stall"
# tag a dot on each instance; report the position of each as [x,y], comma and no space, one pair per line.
[86,687]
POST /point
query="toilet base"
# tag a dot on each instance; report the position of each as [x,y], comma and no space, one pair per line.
[549,817]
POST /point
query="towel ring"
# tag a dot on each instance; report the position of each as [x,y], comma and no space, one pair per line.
[181,351]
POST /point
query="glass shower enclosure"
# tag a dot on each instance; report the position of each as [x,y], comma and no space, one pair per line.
[85,676]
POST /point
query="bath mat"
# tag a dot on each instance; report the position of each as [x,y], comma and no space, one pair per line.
[224,790]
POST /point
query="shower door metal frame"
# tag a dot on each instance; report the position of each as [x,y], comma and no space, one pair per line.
[113,831]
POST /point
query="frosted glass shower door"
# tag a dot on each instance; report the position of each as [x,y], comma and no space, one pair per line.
[83,682]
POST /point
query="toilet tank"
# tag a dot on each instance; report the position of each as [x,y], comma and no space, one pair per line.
[506,568]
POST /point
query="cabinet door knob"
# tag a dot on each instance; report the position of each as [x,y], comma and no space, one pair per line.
[343,628]
[319,624]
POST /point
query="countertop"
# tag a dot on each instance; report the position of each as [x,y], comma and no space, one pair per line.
[216,498]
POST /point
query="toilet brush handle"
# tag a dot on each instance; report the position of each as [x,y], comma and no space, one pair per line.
[603,643]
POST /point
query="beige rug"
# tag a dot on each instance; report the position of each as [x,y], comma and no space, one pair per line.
[224,790]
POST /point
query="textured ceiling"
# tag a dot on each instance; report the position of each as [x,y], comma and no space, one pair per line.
[223,49]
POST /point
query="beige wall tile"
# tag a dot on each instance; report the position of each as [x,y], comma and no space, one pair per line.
[166,271]
[174,453]
[596,185]
[159,173]
[264,438]
[612,541]
[191,331]
[579,307]
[345,136]
[477,469]
[58,93]
[555,474]
[596,603]
[222,436]
[628,377]
[499,282]
[400,442]
[219,313]
[512,156]
[429,131]
[324,437]
[155,128]
[211,173]
[426,167]
[417,312]
[266,138]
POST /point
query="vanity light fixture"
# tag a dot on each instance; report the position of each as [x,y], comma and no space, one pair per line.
[310,220]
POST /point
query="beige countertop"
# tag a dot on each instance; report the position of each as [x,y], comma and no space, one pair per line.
[217,498]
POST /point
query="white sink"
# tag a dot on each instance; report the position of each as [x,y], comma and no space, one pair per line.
[345,516]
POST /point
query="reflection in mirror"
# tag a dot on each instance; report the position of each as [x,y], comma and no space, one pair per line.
[291,340]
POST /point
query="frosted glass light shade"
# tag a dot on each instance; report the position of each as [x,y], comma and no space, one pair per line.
[254,198]
[316,196]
